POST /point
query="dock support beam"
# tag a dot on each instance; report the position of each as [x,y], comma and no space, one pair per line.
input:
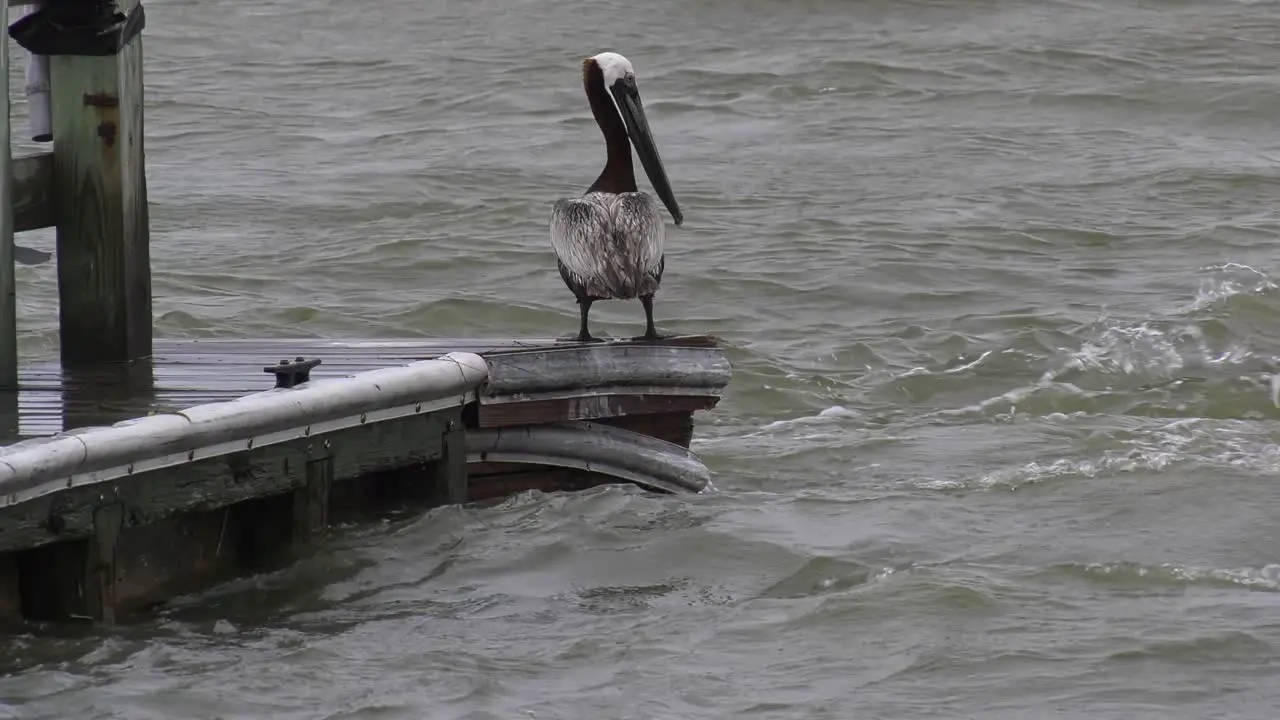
[101,581]
[311,501]
[100,191]
[452,474]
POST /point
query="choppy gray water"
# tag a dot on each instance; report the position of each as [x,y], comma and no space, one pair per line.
[999,278]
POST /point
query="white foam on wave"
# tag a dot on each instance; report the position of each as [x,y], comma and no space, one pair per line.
[1230,279]
[1218,444]
[1126,349]
[826,416]
[1150,349]
[964,366]
[1114,357]
[1266,577]
[826,425]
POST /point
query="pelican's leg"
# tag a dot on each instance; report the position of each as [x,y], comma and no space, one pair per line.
[584,307]
[650,332]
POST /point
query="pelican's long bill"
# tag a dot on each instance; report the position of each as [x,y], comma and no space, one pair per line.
[628,97]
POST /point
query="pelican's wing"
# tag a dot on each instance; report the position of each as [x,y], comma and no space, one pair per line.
[579,227]
[637,221]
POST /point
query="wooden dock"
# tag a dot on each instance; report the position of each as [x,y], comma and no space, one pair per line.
[136,468]
[534,380]
[151,464]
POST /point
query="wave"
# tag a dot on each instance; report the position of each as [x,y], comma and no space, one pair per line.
[1127,575]
[1207,357]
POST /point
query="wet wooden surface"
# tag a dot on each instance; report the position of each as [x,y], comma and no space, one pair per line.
[182,373]
[109,550]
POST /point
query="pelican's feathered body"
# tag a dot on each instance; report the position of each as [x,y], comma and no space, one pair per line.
[609,243]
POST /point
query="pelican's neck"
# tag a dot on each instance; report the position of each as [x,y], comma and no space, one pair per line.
[618,175]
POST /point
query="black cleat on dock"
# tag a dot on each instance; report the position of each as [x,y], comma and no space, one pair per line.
[291,374]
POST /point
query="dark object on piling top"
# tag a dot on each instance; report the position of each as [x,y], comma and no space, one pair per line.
[78,27]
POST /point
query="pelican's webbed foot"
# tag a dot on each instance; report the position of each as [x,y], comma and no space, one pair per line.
[579,338]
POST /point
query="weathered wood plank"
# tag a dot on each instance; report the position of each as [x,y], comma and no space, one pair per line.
[101,455]
[209,484]
[589,407]
[100,206]
[674,427]
[532,373]
[483,488]
[148,538]
[411,348]
[54,581]
[179,554]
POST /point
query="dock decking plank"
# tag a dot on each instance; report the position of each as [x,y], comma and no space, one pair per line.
[186,372]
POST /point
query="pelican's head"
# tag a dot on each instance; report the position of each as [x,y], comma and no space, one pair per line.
[618,80]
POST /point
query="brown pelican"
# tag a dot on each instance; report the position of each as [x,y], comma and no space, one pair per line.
[609,242]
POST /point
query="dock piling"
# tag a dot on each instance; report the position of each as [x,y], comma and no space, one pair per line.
[94,51]
[8,292]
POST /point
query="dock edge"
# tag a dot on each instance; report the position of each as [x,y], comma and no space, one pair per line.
[40,466]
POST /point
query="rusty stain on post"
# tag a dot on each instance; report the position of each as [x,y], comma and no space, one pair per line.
[107,131]
[106,100]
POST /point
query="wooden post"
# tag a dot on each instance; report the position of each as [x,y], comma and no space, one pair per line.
[311,501]
[100,583]
[10,590]
[100,203]
[8,307]
[451,475]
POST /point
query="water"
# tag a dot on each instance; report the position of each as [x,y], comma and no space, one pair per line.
[998,279]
